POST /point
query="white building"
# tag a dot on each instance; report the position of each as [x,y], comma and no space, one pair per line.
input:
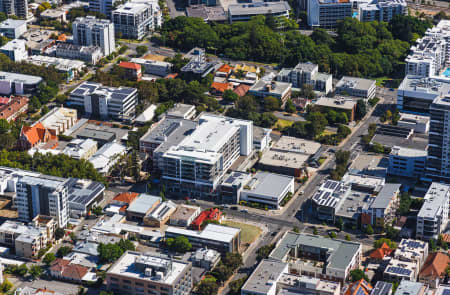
[433,216]
[356,87]
[328,199]
[407,162]
[381,10]
[15,50]
[244,12]
[420,124]
[107,156]
[105,102]
[13,83]
[135,19]
[89,54]
[69,66]
[59,119]
[153,67]
[80,148]
[12,28]
[307,73]
[102,6]
[326,13]
[26,240]
[197,164]
[89,31]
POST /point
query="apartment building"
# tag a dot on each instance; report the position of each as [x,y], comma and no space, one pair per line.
[280,90]
[135,19]
[326,13]
[89,54]
[327,200]
[334,258]
[102,6]
[386,203]
[306,73]
[197,164]
[381,10]
[358,87]
[136,273]
[153,67]
[244,12]
[105,102]
[407,162]
[26,240]
[18,8]
[433,216]
[11,108]
[15,50]
[438,160]
[12,28]
[80,148]
[89,31]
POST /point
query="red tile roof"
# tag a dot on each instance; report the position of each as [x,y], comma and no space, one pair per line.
[211,214]
[446,238]
[126,197]
[242,89]
[4,100]
[37,133]
[225,68]
[435,265]
[67,270]
[10,107]
[171,76]
[379,253]
[360,287]
[221,87]
[129,65]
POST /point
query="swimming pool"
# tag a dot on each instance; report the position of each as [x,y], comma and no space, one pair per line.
[446,73]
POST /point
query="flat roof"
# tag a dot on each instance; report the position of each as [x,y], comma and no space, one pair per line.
[355,83]
[20,78]
[258,8]
[283,159]
[434,200]
[409,288]
[172,130]
[386,194]
[338,103]
[212,232]
[12,23]
[131,8]
[414,141]
[432,86]
[407,152]
[96,134]
[125,267]
[143,203]
[296,145]
[269,184]
[184,212]
[82,191]
[264,276]
[276,87]
[353,204]
[180,110]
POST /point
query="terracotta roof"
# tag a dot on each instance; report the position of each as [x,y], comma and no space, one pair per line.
[9,107]
[62,37]
[129,65]
[59,264]
[37,133]
[211,214]
[360,287]
[221,87]
[435,265]
[446,238]
[126,197]
[242,89]
[74,272]
[379,253]
[171,76]
[225,68]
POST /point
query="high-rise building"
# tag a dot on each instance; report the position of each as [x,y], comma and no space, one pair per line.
[42,194]
[381,10]
[89,31]
[433,216]
[102,6]
[14,7]
[135,19]
[326,13]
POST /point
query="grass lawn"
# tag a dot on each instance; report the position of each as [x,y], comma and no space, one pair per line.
[327,132]
[249,233]
[382,80]
[283,123]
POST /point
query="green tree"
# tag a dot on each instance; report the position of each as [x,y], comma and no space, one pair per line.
[347,237]
[340,223]
[358,274]
[141,50]
[4,126]
[6,286]
[361,109]
[432,245]
[222,272]
[177,62]
[290,107]
[315,232]
[264,251]
[271,103]
[180,244]
[232,260]
[369,230]
[296,229]
[236,286]
[207,287]
[49,258]
[59,233]
[36,271]
[63,251]
[377,244]
[230,95]
[318,124]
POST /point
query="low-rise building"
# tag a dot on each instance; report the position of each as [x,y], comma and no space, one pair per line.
[244,12]
[205,258]
[31,136]
[59,119]
[154,67]
[382,288]
[136,273]
[432,218]
[58,14]
[84,195]
[328,199]
[98,134]
[12,83]
[407,287]
[161,215]
[80,148]
[184,215]
[147,115]
[386,203]
[182,111]
[412,251]
[15,50]
[142,206]
[407,162]
[65,270]
[232,186]
[132,70]
[268,189]
[105,158]
[261,138]
[69,67]
[12,28]
[218,237]
[420,124]
[89,54]
[433,271]
[212,214]
[307,73]
[11,108]
[280,90]
[398,270]
[339,104]
[356,87]
[335,258]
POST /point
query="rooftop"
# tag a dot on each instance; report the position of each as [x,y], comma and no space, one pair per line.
[330,193]
[431,86]
[414,142]
[264,276]
[410,288]
[296,145]
[61,64]
[12,23]
[386,194]
[180,110]
[268,184]
[185,212]
[257,8]
[355,83]
[339,103]
[114,93]
[274,87]
[407,152]
[82,191]
[147,115]
[382,288]
[143,203]
[212,232]
[131,8]
[14,45]
[435,265]
[20,78]
[434,199]
[283,159]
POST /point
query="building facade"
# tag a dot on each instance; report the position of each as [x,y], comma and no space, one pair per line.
[307,73]
[15,7]
[326,13]
[89,31]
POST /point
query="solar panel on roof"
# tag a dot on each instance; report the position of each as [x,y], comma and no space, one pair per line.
[414,244]
[446,292]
